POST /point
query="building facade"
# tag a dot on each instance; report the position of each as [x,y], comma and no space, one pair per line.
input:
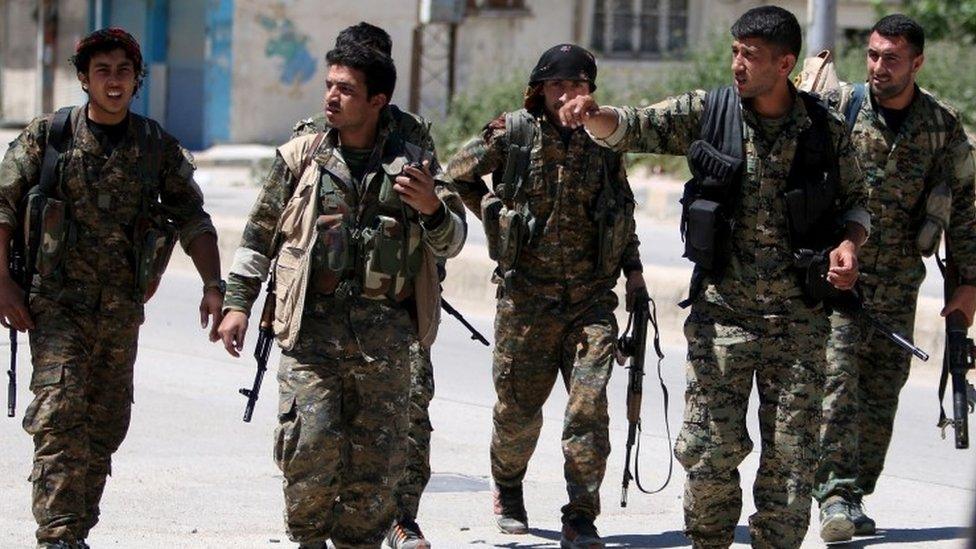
[242,71]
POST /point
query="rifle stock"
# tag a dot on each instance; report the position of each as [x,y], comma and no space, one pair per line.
[262,349]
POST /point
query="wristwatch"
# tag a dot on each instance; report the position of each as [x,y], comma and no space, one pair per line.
[220,284]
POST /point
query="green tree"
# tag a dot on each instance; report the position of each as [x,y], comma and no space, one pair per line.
[942,19]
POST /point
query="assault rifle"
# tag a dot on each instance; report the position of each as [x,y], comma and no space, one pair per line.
[475,334]
[18,271]
[632,345]
[261,349]
[957,360]
[814,266]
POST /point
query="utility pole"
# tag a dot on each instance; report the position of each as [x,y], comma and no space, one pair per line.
[823,25]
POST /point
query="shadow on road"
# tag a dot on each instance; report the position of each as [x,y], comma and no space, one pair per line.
[674,538]
[908,535]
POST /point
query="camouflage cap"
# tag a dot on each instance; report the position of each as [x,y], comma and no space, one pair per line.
[565,62]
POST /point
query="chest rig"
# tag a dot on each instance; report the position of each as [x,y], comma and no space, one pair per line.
[711,197]
[509,223]
[49,225]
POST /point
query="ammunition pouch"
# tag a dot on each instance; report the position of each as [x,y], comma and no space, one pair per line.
[391,249]
[154,238]
[706,223]
[614,225]
[333,252]
[714,170]
[46,223]
[506,231]
[938,207]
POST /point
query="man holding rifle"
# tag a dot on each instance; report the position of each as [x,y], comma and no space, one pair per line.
[919,168]
[405,533]
[354,224]
[559,221]
[100,193]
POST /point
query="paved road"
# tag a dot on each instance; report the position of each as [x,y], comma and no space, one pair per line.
[191,474]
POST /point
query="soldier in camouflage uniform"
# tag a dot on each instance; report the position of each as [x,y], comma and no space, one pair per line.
[405,532]
[562,232]
[911,146]
[751,322]
[354,229]
[86,300]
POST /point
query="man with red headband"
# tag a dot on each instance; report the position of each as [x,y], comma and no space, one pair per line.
[101,194]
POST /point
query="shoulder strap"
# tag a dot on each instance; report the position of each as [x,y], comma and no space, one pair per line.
[310,153]
[58,138]
[520,131]
[854,105]
[721,123]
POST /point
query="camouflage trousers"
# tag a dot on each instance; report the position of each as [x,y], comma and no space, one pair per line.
[416,472]
[865,374]
[82,385]
[535,341]
[785,356]
[342,420]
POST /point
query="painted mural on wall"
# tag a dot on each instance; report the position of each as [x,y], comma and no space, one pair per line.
[288,46]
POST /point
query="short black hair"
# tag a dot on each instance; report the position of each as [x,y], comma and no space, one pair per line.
[897,24]
[772,24]
[367,35]
[378,67]
[104,41]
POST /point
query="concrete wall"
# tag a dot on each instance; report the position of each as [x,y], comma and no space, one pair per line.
[278,74]
[18,55]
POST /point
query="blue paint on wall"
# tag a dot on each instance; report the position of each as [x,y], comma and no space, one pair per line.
[291,46]
[217,78]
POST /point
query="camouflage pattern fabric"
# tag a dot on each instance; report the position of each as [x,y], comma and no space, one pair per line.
[784,354]
[536,341]
[759,278]
[557,316]
[86,312]
[750,323]
[342,420]
[82,385]
[104,204]
[374,353]
[865,372]
[416,130]
[416,470]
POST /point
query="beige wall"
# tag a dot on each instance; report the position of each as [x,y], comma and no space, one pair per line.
[263,107]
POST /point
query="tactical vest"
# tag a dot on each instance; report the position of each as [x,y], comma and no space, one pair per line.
[510,225]
[326,246]
[49,228]
[711,197]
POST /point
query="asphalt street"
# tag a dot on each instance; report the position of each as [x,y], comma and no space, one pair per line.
[192,474]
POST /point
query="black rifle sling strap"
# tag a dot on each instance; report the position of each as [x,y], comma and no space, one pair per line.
[520,129]
[57,142]
[944,420]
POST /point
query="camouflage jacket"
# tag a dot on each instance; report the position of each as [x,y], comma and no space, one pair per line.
[759,279]
[561,190]
[103,195]
[931,147]
[254,255]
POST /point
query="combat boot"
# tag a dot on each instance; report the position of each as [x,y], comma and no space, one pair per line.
[405,534]
[510,510]
[82,544]
[580,533]
[863,524]
[836,521]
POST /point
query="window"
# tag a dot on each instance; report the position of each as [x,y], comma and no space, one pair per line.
[496,4]
[639,28]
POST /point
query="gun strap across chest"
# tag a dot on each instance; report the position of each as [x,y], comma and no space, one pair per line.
[854,105]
